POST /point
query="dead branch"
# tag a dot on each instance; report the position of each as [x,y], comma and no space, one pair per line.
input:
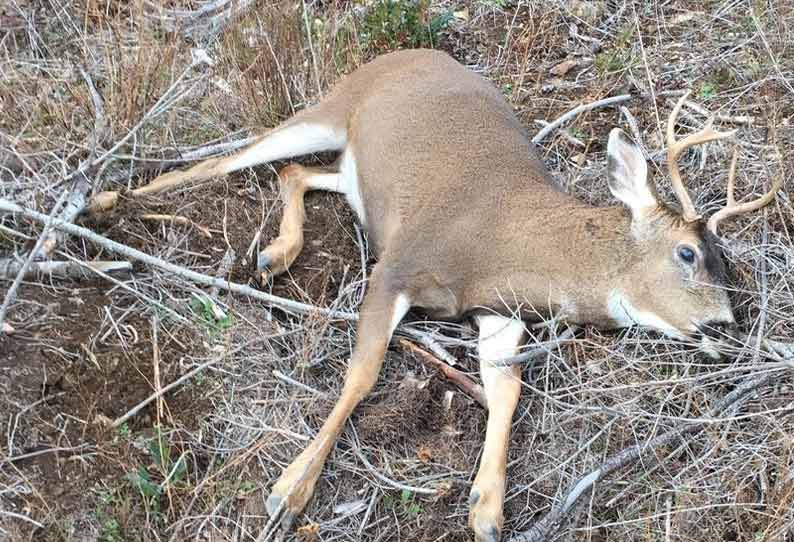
[224,269]
[545,527]
[570,115]
[538,350]
[199,278]
[428,341]
[204,22]
[739,119]
[466,384]
[48,221]
[67,270]
[159,393]
[176,219]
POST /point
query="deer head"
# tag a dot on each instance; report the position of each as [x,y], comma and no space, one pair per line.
[679,287]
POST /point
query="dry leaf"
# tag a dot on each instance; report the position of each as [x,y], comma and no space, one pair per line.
[685,17]
[424,454]
[309,533]
[563,67]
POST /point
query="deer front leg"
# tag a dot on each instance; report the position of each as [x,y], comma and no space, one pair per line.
[499,338]
[382,311]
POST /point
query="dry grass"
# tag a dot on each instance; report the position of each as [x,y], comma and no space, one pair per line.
[85,351]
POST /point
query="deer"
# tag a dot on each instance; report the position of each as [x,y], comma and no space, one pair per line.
[466,222]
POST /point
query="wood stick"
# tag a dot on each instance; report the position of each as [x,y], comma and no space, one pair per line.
[549,128]
[183,220]
[60,269]
[162,391]
[466,384]
[49,222]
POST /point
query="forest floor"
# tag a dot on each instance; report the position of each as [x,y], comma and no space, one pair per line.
[122,90]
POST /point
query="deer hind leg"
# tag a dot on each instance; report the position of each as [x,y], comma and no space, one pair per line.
[499,338]
[295,180]
[382,310]
[306,133]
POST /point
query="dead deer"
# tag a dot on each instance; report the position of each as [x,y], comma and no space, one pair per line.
[465,221]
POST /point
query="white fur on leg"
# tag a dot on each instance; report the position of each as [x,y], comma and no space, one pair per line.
[499,337]
[352,189]
[328,182]
[401,306]
[295,140]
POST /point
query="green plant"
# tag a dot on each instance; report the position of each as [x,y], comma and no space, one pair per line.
[169,470]
[390,24]
[405,505]
[111,531]
[707,90]
[124,430]
[111,528]
[209,314]
[611,61]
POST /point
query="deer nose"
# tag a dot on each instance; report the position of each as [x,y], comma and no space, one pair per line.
[717,328]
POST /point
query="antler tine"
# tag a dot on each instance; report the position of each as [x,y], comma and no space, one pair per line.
[675,148]
[732,208]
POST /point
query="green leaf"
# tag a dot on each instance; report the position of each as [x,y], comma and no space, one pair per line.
[405,496]
[708,90]
[142,482]
[160,452]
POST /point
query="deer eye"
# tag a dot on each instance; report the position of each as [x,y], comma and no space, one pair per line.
[686,254]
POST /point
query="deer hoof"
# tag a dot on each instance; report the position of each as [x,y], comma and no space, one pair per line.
[485,516]
[291,493]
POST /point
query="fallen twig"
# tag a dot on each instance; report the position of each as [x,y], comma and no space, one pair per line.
[48,221]
[224,268]
[545,527]
[291,381]
[176,219]
[204,22]
[159,393]
[739,119]
[466,384]
[549,128]
[427,340]
[284,304]
[71,270]
[538,350]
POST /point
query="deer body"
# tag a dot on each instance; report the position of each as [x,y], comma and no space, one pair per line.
[465,221]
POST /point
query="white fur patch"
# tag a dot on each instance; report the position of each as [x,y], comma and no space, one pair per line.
[499,336]
[625,314]
[328,182]
[296,140]
[349,179]
[628,173]
[345,182]
[401,306]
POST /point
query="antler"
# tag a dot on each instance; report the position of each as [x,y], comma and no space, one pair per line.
[731,207]
[675,148]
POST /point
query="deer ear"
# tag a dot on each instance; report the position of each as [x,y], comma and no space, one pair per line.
[628,174]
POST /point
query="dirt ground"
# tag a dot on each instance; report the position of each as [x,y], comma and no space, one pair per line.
[198,464]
